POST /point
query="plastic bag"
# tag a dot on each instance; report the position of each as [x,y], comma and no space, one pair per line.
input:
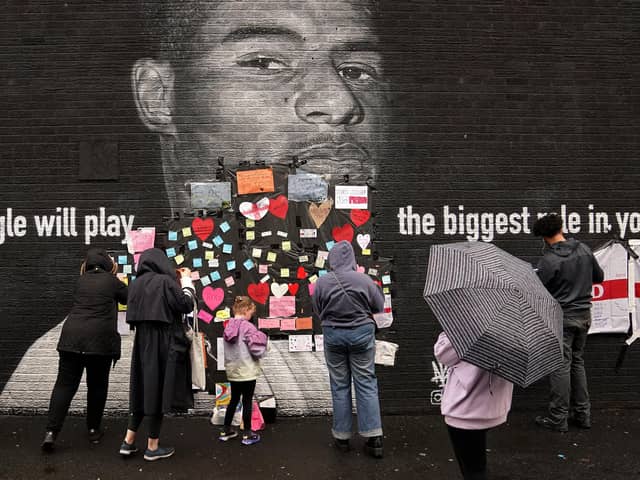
[386,353]
[257,422]
[220,411]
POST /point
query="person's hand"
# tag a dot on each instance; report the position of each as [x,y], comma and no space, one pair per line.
[184,272]
[185,279]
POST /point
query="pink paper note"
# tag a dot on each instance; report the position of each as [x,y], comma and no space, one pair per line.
[141,239]
[206,317]
[282,306]
[312,287]
[288,324]
[268,323]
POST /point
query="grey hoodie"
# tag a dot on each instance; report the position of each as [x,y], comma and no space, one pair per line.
[568,269]
[362,299]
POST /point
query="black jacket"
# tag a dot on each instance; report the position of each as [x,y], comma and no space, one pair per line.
[568,269]
[92,324]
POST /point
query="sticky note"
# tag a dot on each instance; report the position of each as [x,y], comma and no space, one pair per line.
[386,290]
[250,235]
[207,245]
[366,251]
[271,257]
[322,272]
[262,268]
[373,271]
[308,233]
[248,264]
[122,259]
[256,252]
[227,248]
[304,323]
[224,226]
[231,265]
[386,279]
[197,263]
[249,223]
[329,245]
[287,324]
[284,272]
[186,232]
[282,234]
[217,241]
[319,262]
[266,234]
[229,281]
[215,276]
[286,246]
[265,279]
[206,317]
[192,244]
[215,263]
[179,259]
[313,279]
[303,258]
[205,280]
[195,275]
[223,314]
[172,235]
[127,270]
[208,255]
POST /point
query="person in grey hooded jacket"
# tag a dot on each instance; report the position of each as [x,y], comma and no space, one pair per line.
[345,300]
[568,269]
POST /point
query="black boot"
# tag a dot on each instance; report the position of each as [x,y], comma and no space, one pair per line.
[49,441]
[373,446]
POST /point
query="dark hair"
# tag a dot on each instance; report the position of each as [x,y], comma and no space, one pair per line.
[548,226]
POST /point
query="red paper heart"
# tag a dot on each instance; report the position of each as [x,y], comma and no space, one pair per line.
[259,292]
[293,288]
[278,206]
[202,227]
[344,232]
[360,217]
[301,273]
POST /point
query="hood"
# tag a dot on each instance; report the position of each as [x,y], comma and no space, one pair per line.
[98,257]
[564,249]
[232,329]
[341,257]
[154,260]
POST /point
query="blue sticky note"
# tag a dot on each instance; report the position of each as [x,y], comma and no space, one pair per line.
[172,235]
[217,241]
[197,263]
[231,265]
[205,280]
[227,248]
[215,276]
[330,244]
[133,277]
[192,244]
[171,252]
[248,264]
[224,226]
[122,259]
[321,272]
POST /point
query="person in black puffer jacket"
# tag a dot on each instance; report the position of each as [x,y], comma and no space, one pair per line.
[89,340]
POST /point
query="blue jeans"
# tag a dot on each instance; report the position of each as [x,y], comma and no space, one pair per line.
[350,353]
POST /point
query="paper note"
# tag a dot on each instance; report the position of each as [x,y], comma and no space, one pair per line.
[282,306]
[227,248]
[319,342]
[255,181]
[263,268]
[186,232]
[207,245]
[268,323]
[215,276]
[222,315]
[250,235]
[307,187]
[256,252]
[313,278]
[329,245]
[229,281]
[192,244]
[205,280]
[224,226]
[282,234]
[249,223]
[205,316]
[208,255]
[304,323]
[321,258]
[352,197]
[286,246]
[217,241]
[195,275]
[197,263]
[179,259]
[300,343]
[231,265]
[210,195]
[268,233]
[271,257]
[172,236]
[215,263]
[141,239]
[265,279]
[248,264]
[288,324]
[284,272]
[386,279]
[126,269]
[303,258]
[308,233]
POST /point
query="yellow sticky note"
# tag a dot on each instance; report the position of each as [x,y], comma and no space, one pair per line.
[179,259]
[286,246]
[313,279]
[284,272]
[186,232]
[122,308]
[208,255]
[385,290]
[366,251]
[251,235]
[271,257]
[223,314]
[249,223]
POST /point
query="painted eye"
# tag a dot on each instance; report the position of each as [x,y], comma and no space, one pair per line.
[263,64]
[357,73]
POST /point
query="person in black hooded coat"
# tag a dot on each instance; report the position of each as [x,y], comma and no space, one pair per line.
[89,340]
[160,370]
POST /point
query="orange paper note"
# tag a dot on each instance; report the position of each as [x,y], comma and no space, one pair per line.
[304,323]
[255,181]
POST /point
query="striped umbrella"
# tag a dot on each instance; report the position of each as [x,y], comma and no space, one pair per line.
[496,312]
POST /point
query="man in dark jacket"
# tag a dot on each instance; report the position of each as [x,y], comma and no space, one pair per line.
[89,340]
[345,300]
[568,269]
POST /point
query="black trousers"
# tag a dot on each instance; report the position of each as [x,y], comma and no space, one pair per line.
[70,371]
[470,447]
[155,424]
[244,389]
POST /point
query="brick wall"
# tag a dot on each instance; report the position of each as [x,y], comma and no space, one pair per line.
[495,106]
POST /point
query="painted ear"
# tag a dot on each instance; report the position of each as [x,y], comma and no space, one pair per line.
[152,83]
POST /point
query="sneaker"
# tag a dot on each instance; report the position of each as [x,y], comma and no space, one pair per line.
[580,422]
[342,444]
[373,446]
[548,423]
[127,449]
[227,435]
[159,453]
[95,435]
[48,441]
[250,438]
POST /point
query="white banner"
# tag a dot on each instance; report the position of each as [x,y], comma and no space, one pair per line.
[610,312]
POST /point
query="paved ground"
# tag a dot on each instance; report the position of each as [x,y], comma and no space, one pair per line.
[301,448]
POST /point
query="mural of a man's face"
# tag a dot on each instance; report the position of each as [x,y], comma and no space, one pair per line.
[267,82]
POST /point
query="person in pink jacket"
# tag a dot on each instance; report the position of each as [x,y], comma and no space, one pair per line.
[474,400]
[244,345]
